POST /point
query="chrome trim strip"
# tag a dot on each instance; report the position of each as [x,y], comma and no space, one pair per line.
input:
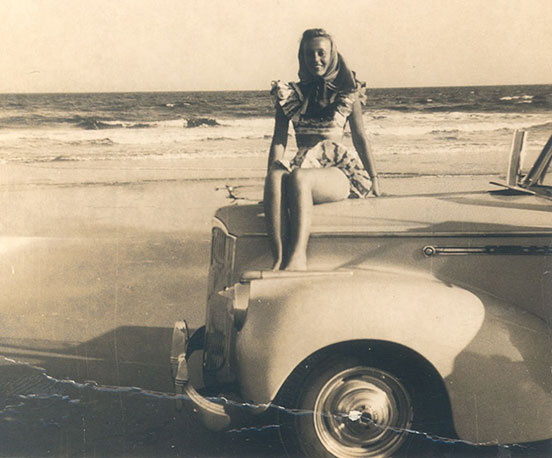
[337,234]
[220,225]
[513,250]
[251,275]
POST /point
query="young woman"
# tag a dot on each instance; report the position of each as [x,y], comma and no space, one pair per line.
[323,170]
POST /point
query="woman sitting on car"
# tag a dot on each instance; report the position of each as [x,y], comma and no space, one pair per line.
[323,170]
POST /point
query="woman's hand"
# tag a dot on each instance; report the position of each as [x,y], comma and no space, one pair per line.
[375,189]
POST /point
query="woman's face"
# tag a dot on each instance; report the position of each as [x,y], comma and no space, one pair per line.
[317,52]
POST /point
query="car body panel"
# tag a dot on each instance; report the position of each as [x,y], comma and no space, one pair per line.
[478,302]
[527,285]
[464,335]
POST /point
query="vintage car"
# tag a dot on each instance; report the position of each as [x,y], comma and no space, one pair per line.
[423,316]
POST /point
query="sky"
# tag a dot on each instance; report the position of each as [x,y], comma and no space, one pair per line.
[181,45]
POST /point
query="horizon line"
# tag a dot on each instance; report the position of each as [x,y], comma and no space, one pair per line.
[262,90]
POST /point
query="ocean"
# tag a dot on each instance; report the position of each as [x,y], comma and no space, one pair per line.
[404,124]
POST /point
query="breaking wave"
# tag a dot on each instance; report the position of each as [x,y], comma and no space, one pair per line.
[201,122]
[95,124]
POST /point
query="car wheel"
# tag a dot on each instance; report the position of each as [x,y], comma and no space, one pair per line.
[345,407]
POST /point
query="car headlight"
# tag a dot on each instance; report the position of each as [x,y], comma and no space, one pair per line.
[238,296]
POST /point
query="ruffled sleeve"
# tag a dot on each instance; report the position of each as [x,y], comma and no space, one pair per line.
[345,100]
[287,97]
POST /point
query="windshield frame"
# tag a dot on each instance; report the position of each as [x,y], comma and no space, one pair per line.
[535,177]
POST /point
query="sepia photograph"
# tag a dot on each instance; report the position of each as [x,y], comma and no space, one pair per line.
[276,228]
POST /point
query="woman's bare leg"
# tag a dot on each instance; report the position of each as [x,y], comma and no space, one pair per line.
[275,206]
[305,188]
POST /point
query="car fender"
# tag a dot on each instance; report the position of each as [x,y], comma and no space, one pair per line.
[463,334]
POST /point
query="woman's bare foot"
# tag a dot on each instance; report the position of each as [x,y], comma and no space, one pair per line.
[277,265]
[297,262]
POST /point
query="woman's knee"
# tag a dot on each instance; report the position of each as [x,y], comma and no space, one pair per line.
[275,178]
[330,186]
[299,179]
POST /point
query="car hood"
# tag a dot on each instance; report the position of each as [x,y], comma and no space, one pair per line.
[496,212]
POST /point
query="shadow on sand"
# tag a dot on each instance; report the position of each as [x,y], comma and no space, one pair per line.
[109,396]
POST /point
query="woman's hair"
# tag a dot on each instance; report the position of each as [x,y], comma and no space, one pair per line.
[337,76]
[309,34]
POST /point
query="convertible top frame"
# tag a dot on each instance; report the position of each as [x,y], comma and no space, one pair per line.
[529,183]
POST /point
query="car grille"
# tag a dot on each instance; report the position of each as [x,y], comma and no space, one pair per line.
[219,329]
[218,246]
[222,254]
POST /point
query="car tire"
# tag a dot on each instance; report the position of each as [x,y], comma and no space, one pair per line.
[344,406]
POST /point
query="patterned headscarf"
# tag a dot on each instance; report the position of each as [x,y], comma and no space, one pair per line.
[337,78]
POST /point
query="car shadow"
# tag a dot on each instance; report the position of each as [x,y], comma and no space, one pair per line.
[124,356]
[515,201]
[504,361]
[109,396]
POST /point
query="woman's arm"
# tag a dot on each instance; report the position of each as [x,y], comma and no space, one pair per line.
[279,138]
[362,145]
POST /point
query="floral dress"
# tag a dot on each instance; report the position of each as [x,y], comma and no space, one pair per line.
[312,129]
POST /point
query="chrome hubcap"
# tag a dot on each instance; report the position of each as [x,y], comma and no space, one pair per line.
[362,411]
